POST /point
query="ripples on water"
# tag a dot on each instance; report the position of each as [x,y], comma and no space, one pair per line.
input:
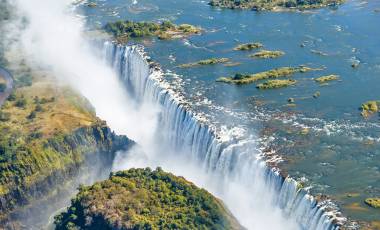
[324,142]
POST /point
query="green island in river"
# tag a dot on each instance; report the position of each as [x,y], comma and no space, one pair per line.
[267,54]
[241,79]
[124,30]
[145,199]
[211,61]
[273,5]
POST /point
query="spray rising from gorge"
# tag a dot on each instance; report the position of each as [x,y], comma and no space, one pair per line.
[169,135]
[53,38]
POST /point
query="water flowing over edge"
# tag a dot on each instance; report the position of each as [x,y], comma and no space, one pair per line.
[230,158]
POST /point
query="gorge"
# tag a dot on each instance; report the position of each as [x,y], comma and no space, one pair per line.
[297,157]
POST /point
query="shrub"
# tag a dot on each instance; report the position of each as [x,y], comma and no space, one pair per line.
[3,86]
[21,103]
[12,97]
[32,115]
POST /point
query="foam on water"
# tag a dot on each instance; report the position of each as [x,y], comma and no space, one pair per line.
[235,168]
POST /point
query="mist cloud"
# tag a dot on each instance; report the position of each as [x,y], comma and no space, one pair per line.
[53,39]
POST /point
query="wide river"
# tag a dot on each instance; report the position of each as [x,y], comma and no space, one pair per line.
[323,142]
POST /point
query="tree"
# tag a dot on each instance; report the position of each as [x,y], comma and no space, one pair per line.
[3,86]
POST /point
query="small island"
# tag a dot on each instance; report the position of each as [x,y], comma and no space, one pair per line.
[211,61]
[267,54]
[145,199]
[124,30]
[373,202]
[274,5]
[249,46]
[275,84]
[327,78]
[370,107]
[240,79]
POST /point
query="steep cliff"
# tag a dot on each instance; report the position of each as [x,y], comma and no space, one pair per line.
[49,133]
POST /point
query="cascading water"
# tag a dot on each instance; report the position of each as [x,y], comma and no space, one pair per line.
[255,193]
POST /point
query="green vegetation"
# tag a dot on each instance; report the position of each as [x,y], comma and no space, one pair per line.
[46,130]
[267,54]
[273,4]
[145,199]
[274,84]
[23,80]
[123,30]
[373,202]
[327,78]
[249,46]
[274,73]
[211,61]
[370,107]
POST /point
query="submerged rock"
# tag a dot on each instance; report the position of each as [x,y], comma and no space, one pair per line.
[274,5]
[211,61]
[241,79]
[267,54]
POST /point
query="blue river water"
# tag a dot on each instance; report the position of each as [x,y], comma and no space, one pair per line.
[323,142]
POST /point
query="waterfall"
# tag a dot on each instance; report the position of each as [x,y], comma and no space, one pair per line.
[236,161]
